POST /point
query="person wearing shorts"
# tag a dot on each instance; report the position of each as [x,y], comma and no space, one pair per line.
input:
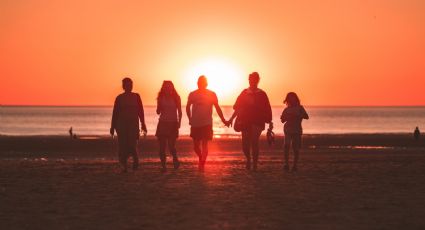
[199,111]
[253,110]
[292,117]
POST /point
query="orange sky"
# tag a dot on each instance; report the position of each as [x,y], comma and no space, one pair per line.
[329,52]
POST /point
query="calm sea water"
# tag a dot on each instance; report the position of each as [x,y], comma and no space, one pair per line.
[28,120]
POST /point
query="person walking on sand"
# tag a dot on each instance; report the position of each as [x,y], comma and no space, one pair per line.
[128,110]
[199,111]
[292,117]
[252,110]
[170,117]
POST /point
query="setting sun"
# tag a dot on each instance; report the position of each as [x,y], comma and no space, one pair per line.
[224,76]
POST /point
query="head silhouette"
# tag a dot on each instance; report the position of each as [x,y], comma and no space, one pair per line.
[127,84]
[292,99]
[167,89]
[254,79]
[202,82]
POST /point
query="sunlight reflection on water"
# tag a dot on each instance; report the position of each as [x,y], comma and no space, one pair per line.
[45,120]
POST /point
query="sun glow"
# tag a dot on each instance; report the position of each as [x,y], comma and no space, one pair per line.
[224,77]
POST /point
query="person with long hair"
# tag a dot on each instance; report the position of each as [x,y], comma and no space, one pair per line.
[199,111]
[252,111]
[170,117]
[128,110]
[292,117]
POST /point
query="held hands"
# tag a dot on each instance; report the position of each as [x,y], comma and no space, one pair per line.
[228,123]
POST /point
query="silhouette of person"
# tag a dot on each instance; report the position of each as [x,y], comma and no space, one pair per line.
[128,109]
[170,117]
[70,132]
[416,133]
[292,117]
[199,111]
[252,109]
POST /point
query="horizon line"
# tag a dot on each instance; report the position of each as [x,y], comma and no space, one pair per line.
[224,105]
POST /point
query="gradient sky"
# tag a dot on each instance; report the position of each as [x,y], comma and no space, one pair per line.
[329,52]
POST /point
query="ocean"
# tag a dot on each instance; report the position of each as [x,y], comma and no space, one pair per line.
[95,120]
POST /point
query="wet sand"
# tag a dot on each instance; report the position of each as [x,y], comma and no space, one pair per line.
[344,182]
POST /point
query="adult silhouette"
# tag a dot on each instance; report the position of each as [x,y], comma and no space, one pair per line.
[70,131]
[416,133]
[128,110]
[253,110]
[170,115]
[199,111]
[292,117]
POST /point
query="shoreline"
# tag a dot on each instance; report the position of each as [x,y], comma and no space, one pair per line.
[105,146]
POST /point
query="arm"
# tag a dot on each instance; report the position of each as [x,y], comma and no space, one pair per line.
[220,113]
[218,109]
[142,114]
[304,114]
[236,108]
[235,114]
[283,116]
[179,110]
[268,110]
[158,107]
[115,112]
[188,112]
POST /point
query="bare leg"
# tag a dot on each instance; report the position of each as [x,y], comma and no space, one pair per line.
[255,136]
[296,145]
[255,152]
[162,157]
[123,161]
[135,156]
[246,147]
[122,152]
[197,148]
[204,152]
[172,148]
[296,157]
[286,152]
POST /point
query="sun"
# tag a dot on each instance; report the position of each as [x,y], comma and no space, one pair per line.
[224,76]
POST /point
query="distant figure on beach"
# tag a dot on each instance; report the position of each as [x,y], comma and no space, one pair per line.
[199,111]
[292,117]
[128,110]
[170,117]
[252,111]
[416,133]
[72,135]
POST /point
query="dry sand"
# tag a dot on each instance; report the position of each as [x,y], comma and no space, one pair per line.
[56,183]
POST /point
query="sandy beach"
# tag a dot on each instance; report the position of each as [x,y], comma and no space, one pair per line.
[371,181]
